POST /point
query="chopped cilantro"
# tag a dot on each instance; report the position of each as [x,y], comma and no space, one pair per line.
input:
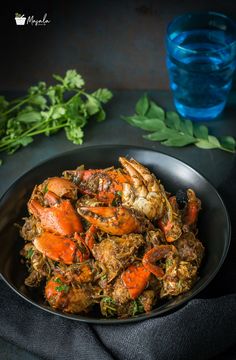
[137,307]
[169,262]
[30,253]
[63,288]
[45,189]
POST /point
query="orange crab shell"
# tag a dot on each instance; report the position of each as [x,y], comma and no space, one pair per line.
[135,279]
[60,186]
[103,184]
[59,248]
[61,218]
[112,220]
[54,293]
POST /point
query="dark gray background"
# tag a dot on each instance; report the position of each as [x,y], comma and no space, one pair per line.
[118,44]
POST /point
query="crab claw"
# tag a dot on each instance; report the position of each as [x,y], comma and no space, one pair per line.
[145,193]
[104,184]
[171,223]
[112,220]
[59,248]
[61,218]
[192,210]
[59,186]
[90,237]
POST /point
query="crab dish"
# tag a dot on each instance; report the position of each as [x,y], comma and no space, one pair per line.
[112,240]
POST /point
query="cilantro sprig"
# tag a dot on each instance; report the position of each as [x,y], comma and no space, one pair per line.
[171,130]
[48,109]
[62,286]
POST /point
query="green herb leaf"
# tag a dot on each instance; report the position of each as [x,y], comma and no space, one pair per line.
[171,130]
[74,134]
[29,117]
[30,253]
[73,80]
[142,105]
[155,112]
[188,127]
[58,112]
[92,105]
[173,120]
[144,123]
[63,287]
[161,135]
[47,109]
[228,142]
[3,104]
[39,100]
[200,131]
[108,307]
[136,307]
[179,140]
[211,143]
[102,95]
[101,115]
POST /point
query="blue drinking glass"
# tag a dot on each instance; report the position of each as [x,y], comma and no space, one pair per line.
[201,52]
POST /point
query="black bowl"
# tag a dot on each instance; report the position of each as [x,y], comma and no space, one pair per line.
[214,225]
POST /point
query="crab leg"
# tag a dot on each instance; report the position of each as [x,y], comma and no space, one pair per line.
[90,237]
[155,254]
[113,220]
[171,224]
[193,207]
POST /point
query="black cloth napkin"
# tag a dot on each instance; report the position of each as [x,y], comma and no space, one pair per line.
[201,329]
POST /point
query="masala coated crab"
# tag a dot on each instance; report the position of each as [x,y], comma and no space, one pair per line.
[133,186]
[113,237]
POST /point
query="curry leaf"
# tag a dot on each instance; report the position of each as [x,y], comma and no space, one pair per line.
[161,135]
[173,120]
[228,142]
[179,140]
[145,123]
[200,131]
[155,111]
[142,105]
[188,126]
[171,130]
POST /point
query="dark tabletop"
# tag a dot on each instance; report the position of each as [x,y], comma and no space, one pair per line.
[217,166]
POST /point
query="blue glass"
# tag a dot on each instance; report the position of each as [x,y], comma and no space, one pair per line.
[201,51]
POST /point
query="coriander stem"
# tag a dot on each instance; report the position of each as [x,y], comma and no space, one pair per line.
[16,106]
[10,141]
[27,133]
[47,129]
